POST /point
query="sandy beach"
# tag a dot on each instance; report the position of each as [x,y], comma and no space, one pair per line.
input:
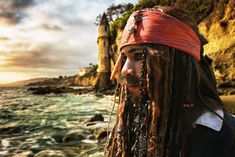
[229,102]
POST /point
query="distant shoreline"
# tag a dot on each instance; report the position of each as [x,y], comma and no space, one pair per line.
[22,83]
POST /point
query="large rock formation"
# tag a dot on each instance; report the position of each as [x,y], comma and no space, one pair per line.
[219,28]
[86,81]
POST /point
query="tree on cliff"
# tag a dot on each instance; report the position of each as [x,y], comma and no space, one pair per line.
[113,12]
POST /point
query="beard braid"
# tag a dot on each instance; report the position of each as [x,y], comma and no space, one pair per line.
[118,142]
[124,135]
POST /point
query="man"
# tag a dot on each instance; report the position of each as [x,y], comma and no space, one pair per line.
[168,104]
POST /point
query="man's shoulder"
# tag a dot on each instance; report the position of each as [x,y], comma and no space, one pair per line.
[210,120]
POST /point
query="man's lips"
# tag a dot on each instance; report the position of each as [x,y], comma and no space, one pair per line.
[132,81]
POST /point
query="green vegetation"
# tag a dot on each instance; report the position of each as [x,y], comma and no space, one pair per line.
[198,10]
[120,21]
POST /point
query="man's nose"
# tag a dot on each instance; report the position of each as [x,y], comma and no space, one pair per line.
[128,68]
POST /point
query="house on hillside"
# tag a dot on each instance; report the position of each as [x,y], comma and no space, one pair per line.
[84,70]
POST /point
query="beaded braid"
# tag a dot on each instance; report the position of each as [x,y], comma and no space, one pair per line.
[140,146]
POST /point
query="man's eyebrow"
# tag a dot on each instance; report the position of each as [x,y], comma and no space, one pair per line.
[134,49]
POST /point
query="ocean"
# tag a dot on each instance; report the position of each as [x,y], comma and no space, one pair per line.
[39,125]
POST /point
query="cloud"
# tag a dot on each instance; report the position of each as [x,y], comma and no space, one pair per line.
[51,27]
[40,57]
[2,38]
[61,56]
[11,11]
[124,1]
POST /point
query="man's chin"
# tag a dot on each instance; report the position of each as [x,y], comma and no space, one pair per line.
[132,86]
[134,90]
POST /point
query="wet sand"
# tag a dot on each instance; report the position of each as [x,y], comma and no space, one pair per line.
[229,102]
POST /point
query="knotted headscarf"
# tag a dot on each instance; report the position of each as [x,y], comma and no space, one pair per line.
[147,26]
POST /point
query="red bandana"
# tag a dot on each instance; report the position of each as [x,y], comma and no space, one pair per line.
[153,27]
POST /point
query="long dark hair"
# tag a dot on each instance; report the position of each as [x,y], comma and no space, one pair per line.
[174,78]
[183,81]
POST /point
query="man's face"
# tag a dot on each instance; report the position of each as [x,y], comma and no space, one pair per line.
[131,59]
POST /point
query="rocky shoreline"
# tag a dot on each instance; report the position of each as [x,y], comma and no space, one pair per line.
[223,89]
[42,90]
[96,130]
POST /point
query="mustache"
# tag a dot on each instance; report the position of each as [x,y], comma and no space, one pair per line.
[131,80]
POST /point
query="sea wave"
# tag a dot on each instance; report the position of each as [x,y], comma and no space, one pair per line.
[36,124]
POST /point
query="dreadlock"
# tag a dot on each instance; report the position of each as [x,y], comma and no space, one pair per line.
[178,90]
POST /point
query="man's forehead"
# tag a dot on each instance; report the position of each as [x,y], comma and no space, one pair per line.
[132,48]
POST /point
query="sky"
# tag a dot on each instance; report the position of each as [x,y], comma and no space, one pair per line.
[48,38]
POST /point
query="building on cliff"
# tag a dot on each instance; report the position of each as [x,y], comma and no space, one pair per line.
[84,70]
[104,62]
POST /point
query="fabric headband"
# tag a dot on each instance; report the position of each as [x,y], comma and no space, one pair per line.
[147,26]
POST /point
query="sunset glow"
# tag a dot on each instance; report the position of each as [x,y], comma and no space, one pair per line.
[7,77]
[2,60]
[41,38]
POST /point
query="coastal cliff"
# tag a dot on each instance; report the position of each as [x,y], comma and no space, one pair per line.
[219,28]
[86,81]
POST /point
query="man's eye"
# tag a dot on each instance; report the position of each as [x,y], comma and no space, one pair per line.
[138,56]
[123,58]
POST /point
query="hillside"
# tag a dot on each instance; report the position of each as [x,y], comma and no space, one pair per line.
[23,82]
